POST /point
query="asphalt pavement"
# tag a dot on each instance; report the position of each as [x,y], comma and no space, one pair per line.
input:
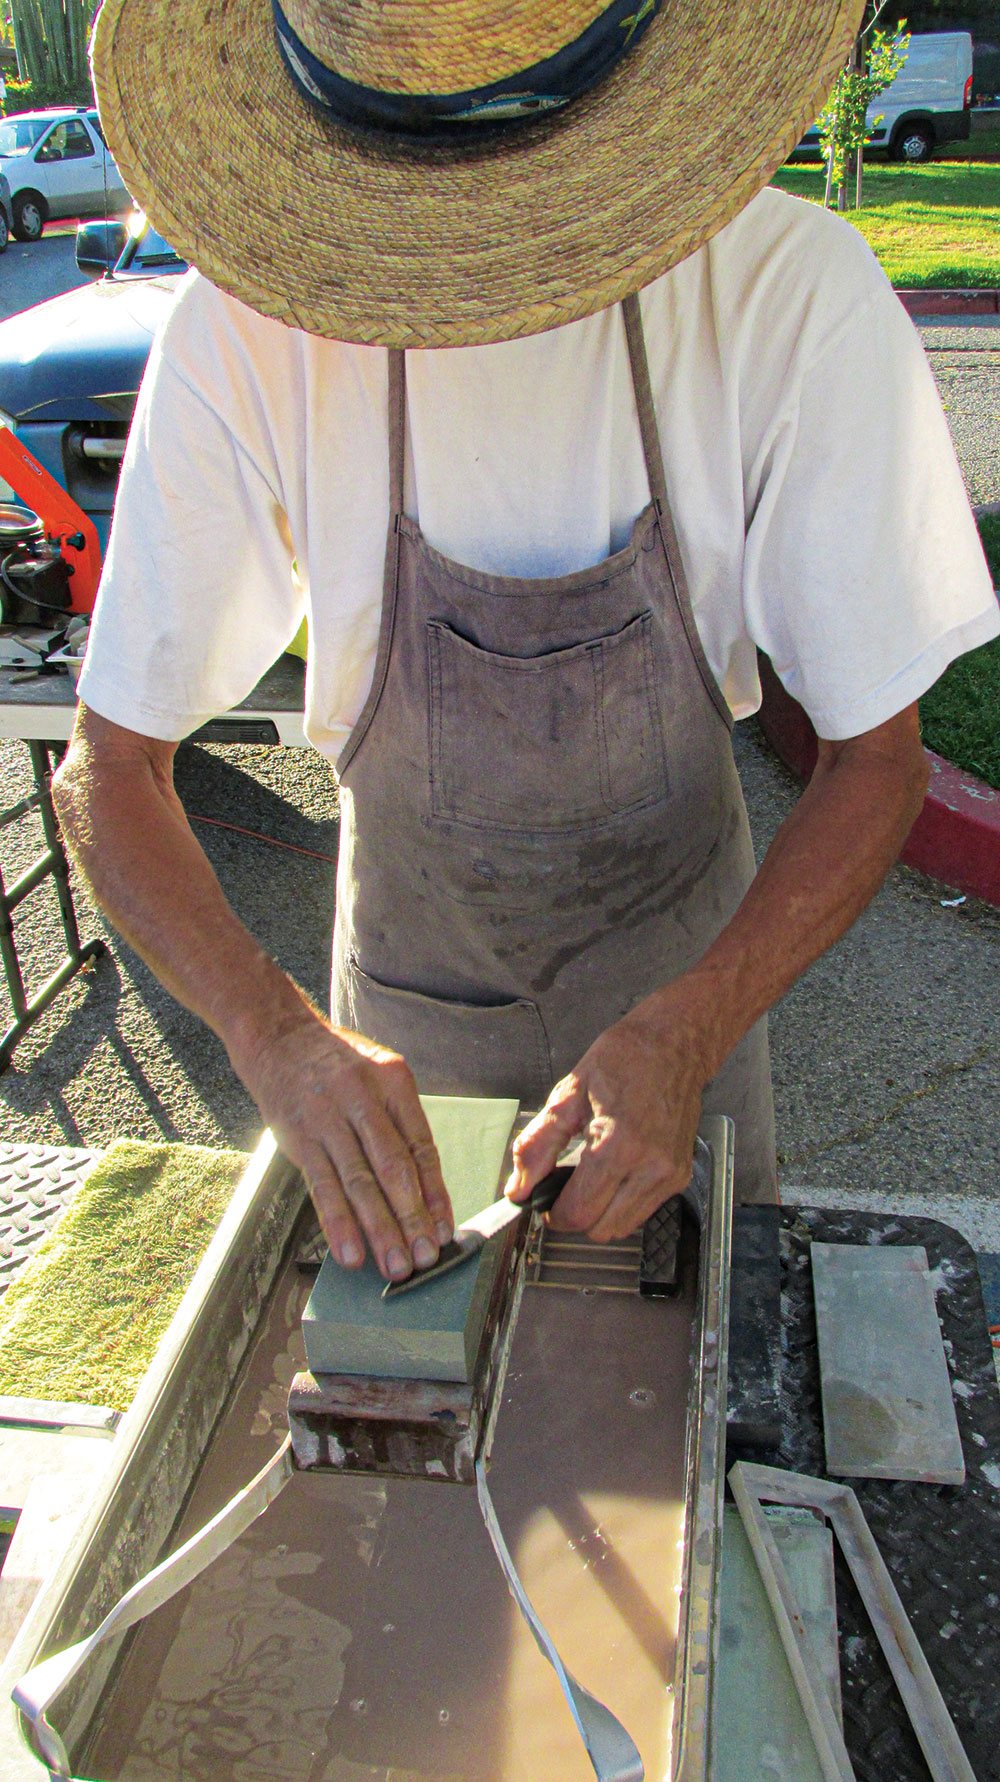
[31,271]
[965,359]
[886,1056]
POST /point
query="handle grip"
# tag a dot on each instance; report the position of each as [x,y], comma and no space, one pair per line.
[546,1192]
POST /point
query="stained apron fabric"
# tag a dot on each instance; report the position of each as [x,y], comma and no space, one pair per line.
[540,816]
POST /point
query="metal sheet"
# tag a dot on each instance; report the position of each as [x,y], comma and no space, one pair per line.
[888,1411]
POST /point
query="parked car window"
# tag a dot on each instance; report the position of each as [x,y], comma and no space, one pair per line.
[95,124]
[19,135]
[78,142]
[67,142]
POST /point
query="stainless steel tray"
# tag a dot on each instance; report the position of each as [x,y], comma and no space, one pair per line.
[162,1440]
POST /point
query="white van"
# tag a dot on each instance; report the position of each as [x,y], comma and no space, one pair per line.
[58,165]
[927,104]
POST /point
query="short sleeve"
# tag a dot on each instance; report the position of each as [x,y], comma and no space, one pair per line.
[863,571]
[197,597]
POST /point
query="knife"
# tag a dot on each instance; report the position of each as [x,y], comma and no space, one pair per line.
[470,1237]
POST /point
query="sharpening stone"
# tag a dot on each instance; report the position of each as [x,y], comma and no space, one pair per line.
[434,1333]
[888,1411]
[760,1729]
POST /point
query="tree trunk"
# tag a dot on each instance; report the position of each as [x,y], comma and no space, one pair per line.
[51,41]
[22,69]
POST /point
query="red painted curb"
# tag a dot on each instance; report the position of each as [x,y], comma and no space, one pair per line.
[950,303]
[957,834]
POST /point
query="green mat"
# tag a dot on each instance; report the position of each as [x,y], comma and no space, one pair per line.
[83,1320]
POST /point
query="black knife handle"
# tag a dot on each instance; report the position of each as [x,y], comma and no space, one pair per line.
[546,1192]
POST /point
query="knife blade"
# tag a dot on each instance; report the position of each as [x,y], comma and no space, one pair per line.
[470,1237]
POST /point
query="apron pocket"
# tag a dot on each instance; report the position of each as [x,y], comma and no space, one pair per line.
[544,743]
[456,1048]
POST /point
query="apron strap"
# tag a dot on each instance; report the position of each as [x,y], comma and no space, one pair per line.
[612,1751]
[397,430]
[390,572]
[644,403]
[653,454]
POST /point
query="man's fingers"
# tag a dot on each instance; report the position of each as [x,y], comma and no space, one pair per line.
[370,1206]
[614,1189]
[630,1206]
[588,1192]
[338,1224]
[537,1149]
[395,1169]
[403,1103]
[347,1111]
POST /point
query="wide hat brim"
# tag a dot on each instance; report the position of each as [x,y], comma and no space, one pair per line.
[326,231]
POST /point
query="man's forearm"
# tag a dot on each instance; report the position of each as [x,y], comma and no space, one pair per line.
[131,839]
[343,1108]
[825,863]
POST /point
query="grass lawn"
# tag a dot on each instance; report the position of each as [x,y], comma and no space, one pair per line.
[960,717]
[933,225]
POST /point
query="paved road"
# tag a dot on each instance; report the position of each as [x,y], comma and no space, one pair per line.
[886,1056]
[966,364]
[30,271]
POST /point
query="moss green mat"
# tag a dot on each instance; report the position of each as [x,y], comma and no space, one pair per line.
[83,1320]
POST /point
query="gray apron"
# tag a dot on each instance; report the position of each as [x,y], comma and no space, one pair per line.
[540,815]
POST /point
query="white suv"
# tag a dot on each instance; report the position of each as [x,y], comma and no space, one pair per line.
[58,165]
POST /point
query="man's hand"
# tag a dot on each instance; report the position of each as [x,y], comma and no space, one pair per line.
[636,1094]
[636,1097]
[347,1112]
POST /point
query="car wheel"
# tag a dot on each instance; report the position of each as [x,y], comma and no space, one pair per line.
[4,231]
[29,216]
[914,143]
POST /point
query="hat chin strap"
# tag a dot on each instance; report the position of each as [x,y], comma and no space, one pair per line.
[448,117]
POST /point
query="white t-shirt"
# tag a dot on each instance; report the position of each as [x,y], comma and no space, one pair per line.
[819,506]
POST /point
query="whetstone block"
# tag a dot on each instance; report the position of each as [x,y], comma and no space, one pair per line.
[888,1410]
[433,1333]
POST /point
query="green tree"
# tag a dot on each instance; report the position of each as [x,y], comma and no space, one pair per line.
[843,129]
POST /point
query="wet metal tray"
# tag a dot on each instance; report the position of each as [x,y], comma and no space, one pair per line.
[402,1543]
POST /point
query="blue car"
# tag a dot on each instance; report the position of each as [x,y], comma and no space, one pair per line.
[70,368]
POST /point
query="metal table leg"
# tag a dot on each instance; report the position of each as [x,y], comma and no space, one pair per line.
[50,863]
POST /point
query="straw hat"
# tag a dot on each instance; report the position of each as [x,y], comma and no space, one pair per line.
[316,181]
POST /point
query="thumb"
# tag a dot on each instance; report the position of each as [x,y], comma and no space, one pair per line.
[537,1149]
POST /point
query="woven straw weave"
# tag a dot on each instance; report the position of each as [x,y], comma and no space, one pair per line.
[462,44]
[323,230]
